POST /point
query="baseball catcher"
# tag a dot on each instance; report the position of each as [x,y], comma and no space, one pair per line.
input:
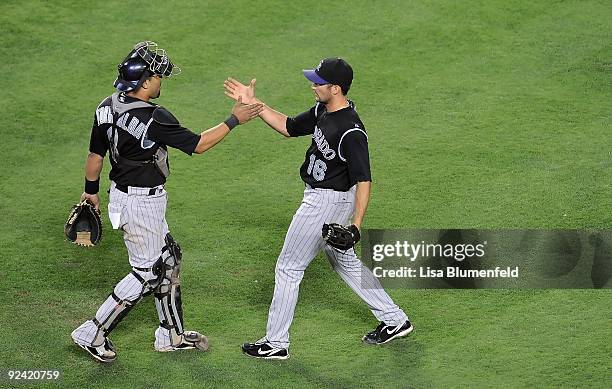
[136,134]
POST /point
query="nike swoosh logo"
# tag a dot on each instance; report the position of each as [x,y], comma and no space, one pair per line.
[269,352]
[393,331]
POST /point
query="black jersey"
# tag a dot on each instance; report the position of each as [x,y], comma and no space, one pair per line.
[137,137]
[338,156]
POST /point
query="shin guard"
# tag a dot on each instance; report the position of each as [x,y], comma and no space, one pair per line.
[168,292]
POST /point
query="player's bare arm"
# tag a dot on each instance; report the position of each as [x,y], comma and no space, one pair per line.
[235,89]
[241,112]
[93,167]
[275,119]
[362,197]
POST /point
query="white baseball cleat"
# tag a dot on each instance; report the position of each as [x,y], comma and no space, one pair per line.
[190,340]
[103,353]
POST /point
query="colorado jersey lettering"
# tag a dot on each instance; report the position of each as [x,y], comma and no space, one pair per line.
[338,156]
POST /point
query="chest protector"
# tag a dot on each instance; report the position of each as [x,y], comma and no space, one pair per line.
[160,157]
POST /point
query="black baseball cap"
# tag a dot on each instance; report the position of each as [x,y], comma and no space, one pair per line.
[334,71]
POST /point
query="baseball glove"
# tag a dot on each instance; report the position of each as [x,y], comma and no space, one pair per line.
[341,237]
[84,225]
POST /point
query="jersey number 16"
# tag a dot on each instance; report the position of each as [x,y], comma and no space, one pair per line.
[316,168]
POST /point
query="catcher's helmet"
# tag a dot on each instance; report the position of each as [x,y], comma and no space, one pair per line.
[145,60]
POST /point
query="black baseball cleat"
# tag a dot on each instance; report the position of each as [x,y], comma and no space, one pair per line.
[104,353]
[384,333]
[264,350]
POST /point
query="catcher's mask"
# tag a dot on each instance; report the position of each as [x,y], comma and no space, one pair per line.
[145,60]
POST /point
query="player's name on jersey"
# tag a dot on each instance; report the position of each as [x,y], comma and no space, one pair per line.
[127,122]
[448,272]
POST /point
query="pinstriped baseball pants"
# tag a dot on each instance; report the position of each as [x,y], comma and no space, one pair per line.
[142,218]
[302,243]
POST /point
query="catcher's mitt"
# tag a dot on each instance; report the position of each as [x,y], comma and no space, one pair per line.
[84,225]
[341,237]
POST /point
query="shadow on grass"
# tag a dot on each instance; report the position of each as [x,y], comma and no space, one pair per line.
[380,366]
[401,358]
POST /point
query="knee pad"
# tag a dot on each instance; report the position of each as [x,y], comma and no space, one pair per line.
[168,292]
[173,247]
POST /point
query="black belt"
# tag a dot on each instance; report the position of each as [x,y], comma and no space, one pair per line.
[124,189]
[143,269]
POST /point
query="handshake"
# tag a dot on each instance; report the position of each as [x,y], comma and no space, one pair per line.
[247,106]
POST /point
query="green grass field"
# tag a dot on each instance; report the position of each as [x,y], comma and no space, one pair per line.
[480,114]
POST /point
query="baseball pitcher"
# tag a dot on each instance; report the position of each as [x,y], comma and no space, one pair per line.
[336,173]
